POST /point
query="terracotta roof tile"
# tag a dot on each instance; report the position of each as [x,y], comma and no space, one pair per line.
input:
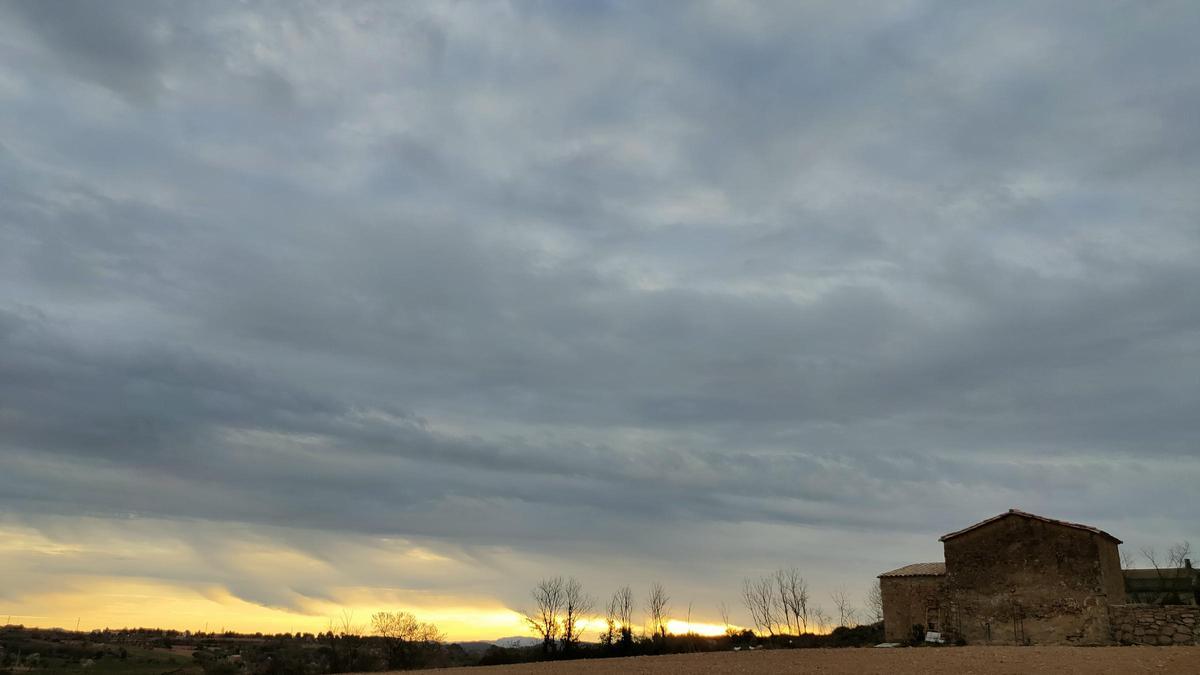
[926,569]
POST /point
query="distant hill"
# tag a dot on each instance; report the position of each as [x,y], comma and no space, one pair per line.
[481,646]
[517,641]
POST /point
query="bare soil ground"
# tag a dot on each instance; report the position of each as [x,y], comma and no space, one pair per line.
[947,661]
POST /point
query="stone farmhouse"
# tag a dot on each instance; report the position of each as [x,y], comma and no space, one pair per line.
[1021,578]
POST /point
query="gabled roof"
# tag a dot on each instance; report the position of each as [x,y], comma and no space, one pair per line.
[1032,516]
[931,569]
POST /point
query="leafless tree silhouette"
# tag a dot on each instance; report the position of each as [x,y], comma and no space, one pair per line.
[404,637]
[759,599]
[841,601]
[1169,566]
[405,627]
[875,602]
[794,594]
[544,618]
[343,625]
[622,606]
[821,620]
[656,609]
[577,609]
[781,599]
[723,609]
[343,639]
[611,612]
[1178,554]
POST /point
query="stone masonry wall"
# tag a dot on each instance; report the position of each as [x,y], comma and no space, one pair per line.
[1023,581]
[1155,624]
[908,601]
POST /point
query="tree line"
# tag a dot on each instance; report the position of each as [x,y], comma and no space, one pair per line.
[779,605]
[562,611]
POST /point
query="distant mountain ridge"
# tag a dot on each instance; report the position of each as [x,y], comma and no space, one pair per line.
[516,641]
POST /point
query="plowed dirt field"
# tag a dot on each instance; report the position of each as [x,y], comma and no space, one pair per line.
[947,661]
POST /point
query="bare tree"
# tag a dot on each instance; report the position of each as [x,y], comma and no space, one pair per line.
[1151,557]
[794,598]
[544,618]
[752,604]
[781,600]
[1174,558]
[1127,560]
[875,602]
[760,600]
[821,620]
[656,609]
[622,606]
[344,641]
[1178,554]
[845,610]
[405,638]
[577,608]
[404,626]
[343,625]
[692,638]
[611,611]
[724,612]
[1170,566]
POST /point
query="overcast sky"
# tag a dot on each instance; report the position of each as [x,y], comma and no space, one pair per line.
[309,306]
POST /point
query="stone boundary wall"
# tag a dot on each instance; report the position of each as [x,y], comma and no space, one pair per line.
[1155,624]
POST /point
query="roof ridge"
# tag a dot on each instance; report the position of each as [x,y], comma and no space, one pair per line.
[1034,516]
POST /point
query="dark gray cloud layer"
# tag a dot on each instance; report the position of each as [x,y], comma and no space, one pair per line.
[574,277]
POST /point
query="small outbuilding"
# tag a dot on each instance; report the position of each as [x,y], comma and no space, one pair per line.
[912,599]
